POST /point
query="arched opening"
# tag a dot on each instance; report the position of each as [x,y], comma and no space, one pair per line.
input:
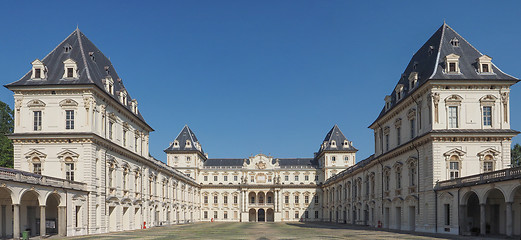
[262,215]
[495,213]
[260,197]
[270,215]
[270,198]
[252,215]
[516,211]
[6,225]
[29,213]
[51,214]
[472,218]
[251,198]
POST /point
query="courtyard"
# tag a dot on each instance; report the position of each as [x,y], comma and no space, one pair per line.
[292,230]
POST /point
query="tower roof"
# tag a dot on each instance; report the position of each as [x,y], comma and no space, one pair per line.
[185,141]
[92,66]
[335,140]
[429,63]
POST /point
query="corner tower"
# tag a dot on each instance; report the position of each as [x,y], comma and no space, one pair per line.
[336,153]
[186,154]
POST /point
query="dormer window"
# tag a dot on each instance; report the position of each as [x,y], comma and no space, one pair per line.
[484,64]
[38,71]
[454,42]
[413,80]
[387,102]
[176,143]
[346,143]
[109,85]
[123,97]
[452,63]
[333,143]
[399,92]
[134,106]
[70,69]
[188,144]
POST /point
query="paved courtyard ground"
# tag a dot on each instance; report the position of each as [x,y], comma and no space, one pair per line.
[263,231]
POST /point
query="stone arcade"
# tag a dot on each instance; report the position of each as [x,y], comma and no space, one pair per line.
[442,150]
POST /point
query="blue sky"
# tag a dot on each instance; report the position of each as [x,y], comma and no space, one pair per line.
[252,77]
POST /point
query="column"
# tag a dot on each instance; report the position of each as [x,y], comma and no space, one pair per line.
[16,221]
[42,221]
[461,219]
[509,219]
[62,221]
[482,222]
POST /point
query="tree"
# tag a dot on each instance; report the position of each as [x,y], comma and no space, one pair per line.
[516,155]
[6,127]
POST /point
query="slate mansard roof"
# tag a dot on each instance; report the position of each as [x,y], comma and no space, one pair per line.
[92,66]
[185,136]
[429,63]
[336,135]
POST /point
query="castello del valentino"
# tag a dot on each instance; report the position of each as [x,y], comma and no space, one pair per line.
[441,159]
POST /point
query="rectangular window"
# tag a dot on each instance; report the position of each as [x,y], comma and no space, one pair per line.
[413,176]
[306,199]
[215,214]
[398,135]
[286,178]
[225,215]
[487,116]
[252,179]
[452,67]
[225,178]
[297,215]
[387,181]
[37,73]
[488,166]
[296,199]
[124,137]
[386,142]
[77,219]
[205,200]
[454,170]
[447,214]
[215,178]
[316,214]
[306,178]
[69,119]
[205,178]
[398,180]
[215,199]
[306,214]
[286,199]
[69,72]
[111,126]
[135,143]
[37,120]
[235,178]
[413,131]
[225,200]
[316,199]
[235,199]
[296,178]
[484,67]
[69,173]
[205,214]
[37,168]
[316,177]
[453,117]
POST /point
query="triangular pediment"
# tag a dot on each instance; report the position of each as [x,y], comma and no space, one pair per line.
[454,151]
[490,151]
[67,153]
[35,153]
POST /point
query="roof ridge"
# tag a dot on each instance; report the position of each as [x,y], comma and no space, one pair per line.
[83,55]
[439,50]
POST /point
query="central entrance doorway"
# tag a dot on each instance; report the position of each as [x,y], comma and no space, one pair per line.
[261,215]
